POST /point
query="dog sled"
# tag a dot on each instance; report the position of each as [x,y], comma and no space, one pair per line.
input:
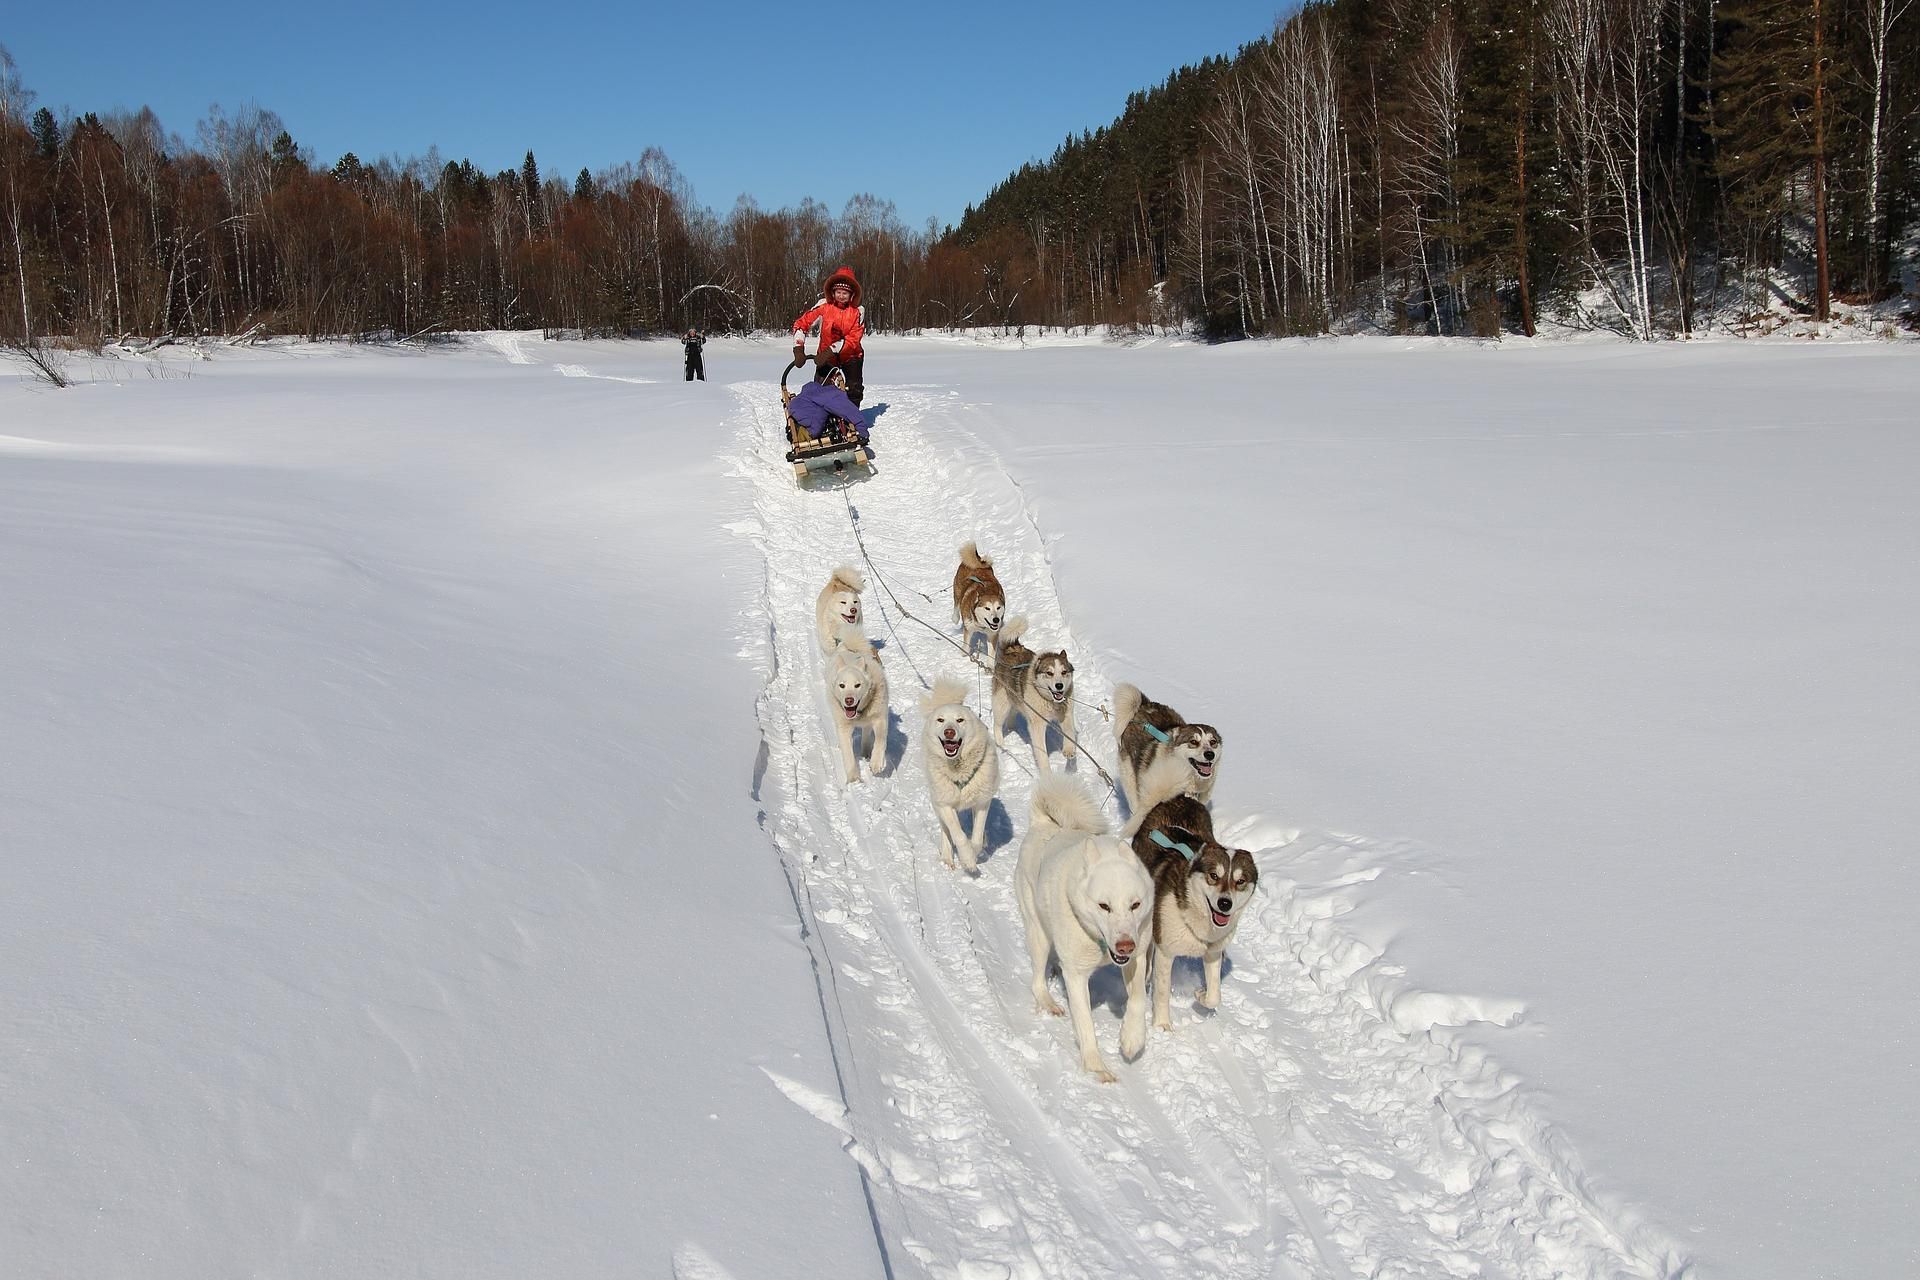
[838,446]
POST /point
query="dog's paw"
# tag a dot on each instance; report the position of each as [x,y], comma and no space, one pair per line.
[1049,1005]
[1208,1000]
[1132,1043]
[1102,1075]
[1163,1024]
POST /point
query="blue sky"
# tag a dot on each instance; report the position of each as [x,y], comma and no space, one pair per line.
[925,105]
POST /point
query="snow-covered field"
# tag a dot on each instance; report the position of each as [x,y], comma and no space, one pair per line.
[423,854]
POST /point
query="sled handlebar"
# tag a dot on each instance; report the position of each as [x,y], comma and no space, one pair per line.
[791,366]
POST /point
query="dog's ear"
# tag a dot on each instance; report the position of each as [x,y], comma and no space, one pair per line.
[1242,862]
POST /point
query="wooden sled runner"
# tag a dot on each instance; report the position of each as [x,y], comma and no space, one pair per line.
[838,447]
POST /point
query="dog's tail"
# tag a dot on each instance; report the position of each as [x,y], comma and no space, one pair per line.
[970,556]
[946,692]
[1012,629]
[1062,803]
[848,635]
[1126,705]
[850,644]
[847,578]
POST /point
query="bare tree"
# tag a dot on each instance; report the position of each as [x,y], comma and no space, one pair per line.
[1882,17]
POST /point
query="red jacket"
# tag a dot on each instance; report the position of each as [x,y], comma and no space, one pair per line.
[841,328]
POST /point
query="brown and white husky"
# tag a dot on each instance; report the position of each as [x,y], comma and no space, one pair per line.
[1037,686]
[979,605]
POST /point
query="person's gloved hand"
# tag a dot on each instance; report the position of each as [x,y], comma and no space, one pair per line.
[799,353]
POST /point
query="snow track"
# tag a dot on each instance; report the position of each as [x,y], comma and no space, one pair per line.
[1325,1122]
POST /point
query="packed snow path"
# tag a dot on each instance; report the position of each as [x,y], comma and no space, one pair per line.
[1323,1123]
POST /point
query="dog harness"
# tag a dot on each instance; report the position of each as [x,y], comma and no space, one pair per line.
[1161,838]
[1158,734]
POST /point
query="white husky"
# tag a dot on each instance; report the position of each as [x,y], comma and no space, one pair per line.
[1087,899]
[963,771]
[857,688]
[837,617]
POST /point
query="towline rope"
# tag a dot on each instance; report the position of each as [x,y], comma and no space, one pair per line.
[859,538]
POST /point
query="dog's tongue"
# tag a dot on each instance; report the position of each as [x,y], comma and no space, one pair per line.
[1203,770]
[852,712]
[950,745]
[1220,919]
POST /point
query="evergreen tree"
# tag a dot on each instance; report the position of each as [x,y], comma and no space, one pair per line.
[1490,178]
[530,191]
[349,171]
[1769,123]
[46,133]
[583,186]
[284,156]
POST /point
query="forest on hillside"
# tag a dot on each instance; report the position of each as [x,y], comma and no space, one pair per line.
[1437,166]
[1470,166]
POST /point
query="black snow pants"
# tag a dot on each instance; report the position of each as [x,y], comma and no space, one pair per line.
[855,370]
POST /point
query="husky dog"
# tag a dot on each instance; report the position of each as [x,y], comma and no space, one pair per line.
[963,771]
[978,601]
[1037,685]
[857,688]
[837,617]
[1088,900]
[1161,754]
[1198,891]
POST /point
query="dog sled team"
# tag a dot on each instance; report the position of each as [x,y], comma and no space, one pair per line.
[1161,888]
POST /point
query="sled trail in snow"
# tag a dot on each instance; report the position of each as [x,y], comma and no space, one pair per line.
[1323,1123]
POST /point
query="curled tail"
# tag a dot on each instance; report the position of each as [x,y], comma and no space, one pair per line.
[847,578]
[1059,801]
[1012,630]
[1126,705]
[971,557]
[946,692]
[847,635]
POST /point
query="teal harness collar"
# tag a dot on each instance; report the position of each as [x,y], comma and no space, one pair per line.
[1161,838]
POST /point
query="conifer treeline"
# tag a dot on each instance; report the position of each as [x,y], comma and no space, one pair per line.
[109,228]
[1464,166]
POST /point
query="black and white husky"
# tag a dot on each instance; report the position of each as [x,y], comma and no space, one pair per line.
[1087,899]
[1199,888]
[837,617]
[1162,755]
[1037,686]
[857,691]
[963,771]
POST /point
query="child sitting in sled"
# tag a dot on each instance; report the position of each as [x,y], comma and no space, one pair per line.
[818,405]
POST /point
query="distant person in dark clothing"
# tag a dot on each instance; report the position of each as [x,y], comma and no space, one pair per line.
[696,367]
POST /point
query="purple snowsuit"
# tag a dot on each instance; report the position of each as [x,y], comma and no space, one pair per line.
[815,402]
